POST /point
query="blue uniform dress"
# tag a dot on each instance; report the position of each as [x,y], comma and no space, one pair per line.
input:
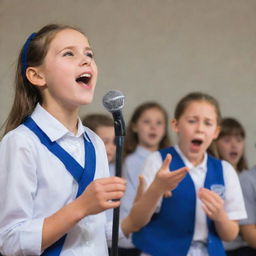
[170,232]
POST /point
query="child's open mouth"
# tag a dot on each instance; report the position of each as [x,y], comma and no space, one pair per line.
[152,135]
[196,143]
[84,78]
[233,154]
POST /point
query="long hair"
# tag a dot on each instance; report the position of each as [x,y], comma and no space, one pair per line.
[231,127]
[131,138]
[27,95]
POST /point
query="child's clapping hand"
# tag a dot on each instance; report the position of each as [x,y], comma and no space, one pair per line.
[213,204]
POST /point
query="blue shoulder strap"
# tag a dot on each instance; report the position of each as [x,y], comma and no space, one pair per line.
[83,176]
[214,177]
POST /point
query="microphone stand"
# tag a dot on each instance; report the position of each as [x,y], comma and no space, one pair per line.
[119,140]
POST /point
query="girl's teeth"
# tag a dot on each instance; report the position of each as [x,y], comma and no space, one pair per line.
[86,75]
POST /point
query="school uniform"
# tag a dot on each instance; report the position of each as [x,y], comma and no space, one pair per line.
[180,226]
[112,169]
[132,168]
[109,212]
[235,245]
[248,183]
[34,184]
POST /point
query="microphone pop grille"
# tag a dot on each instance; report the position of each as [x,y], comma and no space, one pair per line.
[113,101]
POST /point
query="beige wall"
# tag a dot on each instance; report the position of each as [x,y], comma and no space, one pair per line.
[151,49]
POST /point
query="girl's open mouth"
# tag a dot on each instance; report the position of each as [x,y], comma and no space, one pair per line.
[197,142]
[84,78]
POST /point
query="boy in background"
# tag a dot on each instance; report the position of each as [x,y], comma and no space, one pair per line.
[103,126]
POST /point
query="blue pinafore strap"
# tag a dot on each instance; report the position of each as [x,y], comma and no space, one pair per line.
[83,176]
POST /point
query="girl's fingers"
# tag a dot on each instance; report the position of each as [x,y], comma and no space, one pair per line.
[110,180]
[206,194]
[112,204]
[166,162]
[112,187]
[179,174]
[167,193]
[206,210]
[210,206]
[113,195]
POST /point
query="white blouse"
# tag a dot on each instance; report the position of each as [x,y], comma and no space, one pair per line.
[34,184]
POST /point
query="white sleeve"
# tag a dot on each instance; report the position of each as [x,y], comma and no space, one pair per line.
[249,192]
[234,202]
[152,165]
[20,233]
[128,198]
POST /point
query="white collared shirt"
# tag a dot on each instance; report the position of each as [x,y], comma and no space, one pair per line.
[34,184]
[234,203]
[132,168]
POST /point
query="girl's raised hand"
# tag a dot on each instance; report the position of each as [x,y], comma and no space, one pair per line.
[213,204]
[166,180]
[102,194]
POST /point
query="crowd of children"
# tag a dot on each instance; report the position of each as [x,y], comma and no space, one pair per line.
[57,177]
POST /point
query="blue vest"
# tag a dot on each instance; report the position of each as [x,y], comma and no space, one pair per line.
[170,232]
[83,176]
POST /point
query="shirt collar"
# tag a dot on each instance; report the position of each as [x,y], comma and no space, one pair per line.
[202,165]
[53,127]
[142,152]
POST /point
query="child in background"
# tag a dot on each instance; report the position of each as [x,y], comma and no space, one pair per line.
[54,171]
[248,226]
[230,146]
[203,208]
[103,125]
[231,143]
[147,131]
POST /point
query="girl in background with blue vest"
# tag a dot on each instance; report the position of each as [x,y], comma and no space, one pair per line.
[147,131]
[204,208]
[54,171]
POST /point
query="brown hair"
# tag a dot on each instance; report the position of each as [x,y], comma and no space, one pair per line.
[94,121]
[26,94]
[131,138]
[231,127]
[196,96]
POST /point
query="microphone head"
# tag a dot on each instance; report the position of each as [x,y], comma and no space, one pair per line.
[113,101]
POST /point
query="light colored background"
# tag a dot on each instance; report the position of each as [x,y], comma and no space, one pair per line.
[150,50]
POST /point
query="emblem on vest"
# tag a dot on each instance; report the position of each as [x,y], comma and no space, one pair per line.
[218,189]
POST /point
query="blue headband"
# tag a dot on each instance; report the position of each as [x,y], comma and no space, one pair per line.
[24,54]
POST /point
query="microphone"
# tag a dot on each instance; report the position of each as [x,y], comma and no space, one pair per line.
[113,101]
